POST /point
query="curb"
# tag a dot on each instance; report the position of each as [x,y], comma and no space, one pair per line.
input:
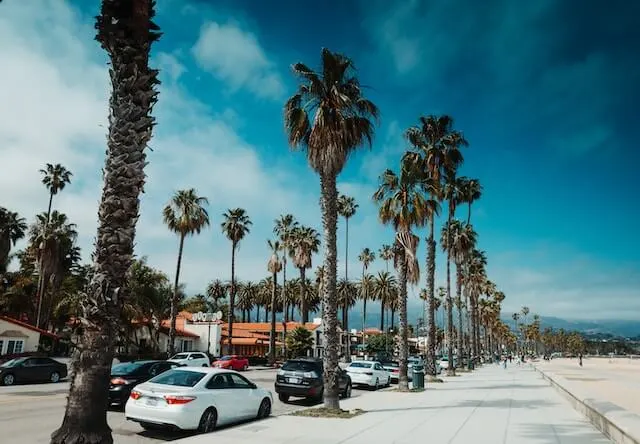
[611,428]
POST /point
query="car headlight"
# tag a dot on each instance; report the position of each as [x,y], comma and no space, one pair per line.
[281,372]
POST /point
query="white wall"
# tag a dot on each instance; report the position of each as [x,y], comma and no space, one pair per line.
[202,330]
[30,342]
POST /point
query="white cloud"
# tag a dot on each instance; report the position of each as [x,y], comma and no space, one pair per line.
[236,57]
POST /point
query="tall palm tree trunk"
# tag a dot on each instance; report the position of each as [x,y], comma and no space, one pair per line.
[451,368]
[345,309]
[285,307]
[460,324]
[403,380]
[304,306]
[174,299]
[431,315]
[328,202]
[382,310]
[232,297]
[126,34]
[467,338]
[41,287]
[272,335]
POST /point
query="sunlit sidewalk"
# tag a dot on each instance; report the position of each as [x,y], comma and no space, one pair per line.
[491,405]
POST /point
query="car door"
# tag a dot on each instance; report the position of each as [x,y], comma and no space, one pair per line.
[381,373]
[223,398]
[29,371]
[245,395]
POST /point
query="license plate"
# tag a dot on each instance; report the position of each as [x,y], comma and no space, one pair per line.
[293,380]
[152,401]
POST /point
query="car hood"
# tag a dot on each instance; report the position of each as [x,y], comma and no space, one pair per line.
[150,387]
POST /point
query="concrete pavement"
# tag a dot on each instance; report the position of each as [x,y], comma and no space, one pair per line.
[607,391]
[491,405]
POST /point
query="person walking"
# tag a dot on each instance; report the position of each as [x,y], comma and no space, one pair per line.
[504,362]
[580,359]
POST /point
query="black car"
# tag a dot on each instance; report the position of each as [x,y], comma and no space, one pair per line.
[32,369]
[302,377]
[125,376]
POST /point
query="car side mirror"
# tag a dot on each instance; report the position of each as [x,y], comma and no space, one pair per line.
[253,386]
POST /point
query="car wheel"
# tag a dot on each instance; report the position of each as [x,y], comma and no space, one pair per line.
[205,365]
[245,368]
[265,409]
[54,377]
[347,391]
[208,421]
[8,379]
[283,398]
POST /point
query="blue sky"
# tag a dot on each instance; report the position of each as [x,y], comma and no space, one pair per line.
[546,93]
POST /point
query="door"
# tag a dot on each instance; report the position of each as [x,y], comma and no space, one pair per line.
[245,395]
[29,371]
[44,369]
[381,373]
[223,398]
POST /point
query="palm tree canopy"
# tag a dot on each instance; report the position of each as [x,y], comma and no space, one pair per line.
[185,213]
[12,226]
[463,240]
[366,257]
[55,177]
[274,265]
[386,252]
[304,242]
[329,116]
[469,190]
[283,228]
[236,224]
[347,206]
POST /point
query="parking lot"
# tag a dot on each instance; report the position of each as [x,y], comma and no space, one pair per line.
[29,413]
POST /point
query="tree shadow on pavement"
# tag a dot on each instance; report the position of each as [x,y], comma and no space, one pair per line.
[577,433]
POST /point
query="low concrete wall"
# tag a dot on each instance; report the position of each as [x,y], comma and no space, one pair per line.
[621,426]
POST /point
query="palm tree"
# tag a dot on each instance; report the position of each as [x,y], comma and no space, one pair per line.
[329,118]
[55,177]
[461,240]
[284,228]
[470,191]
[184,215]
[366,257]
[247,295]
[431,140]
[274,266]
[403,206]
[475,283]
[126,34]
[347,208]
[216,291]
[235,226]
[386,254]
[305,242]
[384,289]
[347,297]
[12,229]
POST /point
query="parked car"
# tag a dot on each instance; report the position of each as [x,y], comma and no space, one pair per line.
[197,398]
[303,377]
[444,363]
[127,375]
[369,373]
[191,359]
[32,369]
[232,362]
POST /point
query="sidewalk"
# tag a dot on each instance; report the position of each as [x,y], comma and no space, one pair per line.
[489,406]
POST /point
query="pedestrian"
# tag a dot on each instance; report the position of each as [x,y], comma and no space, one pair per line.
[504,362]
[580,359]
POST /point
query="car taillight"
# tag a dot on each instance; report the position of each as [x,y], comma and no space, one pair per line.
[119,381]
[396,371]
[178,400]
[135,395]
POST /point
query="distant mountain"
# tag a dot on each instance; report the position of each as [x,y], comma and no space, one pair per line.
[614,327]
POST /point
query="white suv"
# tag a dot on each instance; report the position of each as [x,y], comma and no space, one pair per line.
[191,359]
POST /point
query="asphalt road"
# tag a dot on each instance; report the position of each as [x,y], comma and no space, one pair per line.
[29,413]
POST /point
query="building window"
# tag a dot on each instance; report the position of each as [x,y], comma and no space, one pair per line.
[15,346]
[187,345]
[1,347]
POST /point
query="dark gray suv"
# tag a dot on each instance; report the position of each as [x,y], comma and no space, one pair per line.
[302,378]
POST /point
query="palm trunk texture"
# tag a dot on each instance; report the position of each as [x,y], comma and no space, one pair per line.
[126,34]
[329,199]
[174,300]
[431,316]
[403,380]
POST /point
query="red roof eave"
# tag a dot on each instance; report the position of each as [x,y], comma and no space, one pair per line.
[29,327]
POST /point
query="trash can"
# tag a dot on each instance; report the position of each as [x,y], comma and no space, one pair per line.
[418,377]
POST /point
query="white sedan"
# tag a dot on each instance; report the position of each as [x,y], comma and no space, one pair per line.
[369,373]
[197,398]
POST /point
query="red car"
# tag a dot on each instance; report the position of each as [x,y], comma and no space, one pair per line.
[232,362]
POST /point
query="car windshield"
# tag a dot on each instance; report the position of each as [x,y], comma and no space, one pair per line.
[299,366]
[181,378]
[360,365]
[226,358]
[126,368]
[180,356]
[13,362]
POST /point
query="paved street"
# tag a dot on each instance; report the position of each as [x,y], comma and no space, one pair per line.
[29,413]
